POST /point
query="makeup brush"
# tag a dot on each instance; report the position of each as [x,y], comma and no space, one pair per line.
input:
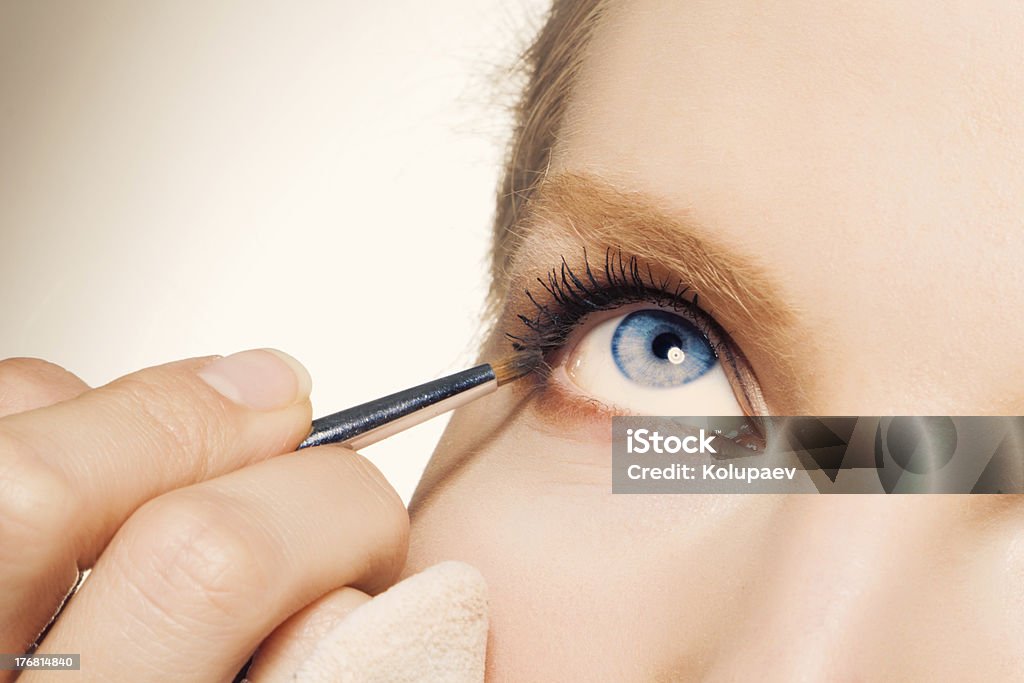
[370,422]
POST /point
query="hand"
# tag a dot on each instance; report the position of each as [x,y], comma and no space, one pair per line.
[201,541]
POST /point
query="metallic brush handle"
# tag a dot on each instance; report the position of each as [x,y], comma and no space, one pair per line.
[370,422]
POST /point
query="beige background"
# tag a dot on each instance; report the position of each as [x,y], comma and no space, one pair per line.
[186,178]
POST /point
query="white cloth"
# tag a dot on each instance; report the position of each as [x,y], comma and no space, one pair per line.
[430,627]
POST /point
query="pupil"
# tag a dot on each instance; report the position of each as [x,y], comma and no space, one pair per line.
[665,342]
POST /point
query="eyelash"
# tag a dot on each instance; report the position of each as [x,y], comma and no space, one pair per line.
[568,298]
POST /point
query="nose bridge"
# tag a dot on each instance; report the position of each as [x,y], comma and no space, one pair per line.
[840,562]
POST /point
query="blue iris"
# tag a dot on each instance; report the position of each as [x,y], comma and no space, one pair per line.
[647,344]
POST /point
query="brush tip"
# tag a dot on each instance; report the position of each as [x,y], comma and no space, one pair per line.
[517,365]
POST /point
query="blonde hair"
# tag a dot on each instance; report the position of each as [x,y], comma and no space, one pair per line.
[550,65]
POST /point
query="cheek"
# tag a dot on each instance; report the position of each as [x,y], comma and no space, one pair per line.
[586,585]
[562,555]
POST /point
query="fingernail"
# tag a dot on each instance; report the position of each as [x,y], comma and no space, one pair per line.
[261,379]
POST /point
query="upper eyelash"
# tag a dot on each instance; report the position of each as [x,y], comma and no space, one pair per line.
[570,297]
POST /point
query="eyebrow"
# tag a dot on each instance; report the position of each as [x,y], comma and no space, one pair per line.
[570,210]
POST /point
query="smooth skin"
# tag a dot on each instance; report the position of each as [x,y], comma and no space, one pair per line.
[867,156]
[203,540]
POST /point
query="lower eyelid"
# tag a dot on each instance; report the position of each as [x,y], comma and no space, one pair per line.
[558,404]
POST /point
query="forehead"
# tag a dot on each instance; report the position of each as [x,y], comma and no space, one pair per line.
[888,109]
[867,154]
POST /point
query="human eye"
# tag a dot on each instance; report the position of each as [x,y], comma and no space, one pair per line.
[650,361]
[635,342]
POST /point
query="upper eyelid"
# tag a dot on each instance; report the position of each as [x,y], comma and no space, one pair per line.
[568,296]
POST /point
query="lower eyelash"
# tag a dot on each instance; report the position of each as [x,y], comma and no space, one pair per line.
[569,298]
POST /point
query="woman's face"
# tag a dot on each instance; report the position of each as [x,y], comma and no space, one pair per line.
[842,185]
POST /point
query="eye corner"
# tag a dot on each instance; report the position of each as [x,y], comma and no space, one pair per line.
[561,402]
